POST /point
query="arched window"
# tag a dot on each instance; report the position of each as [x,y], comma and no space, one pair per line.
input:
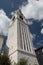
[21,17]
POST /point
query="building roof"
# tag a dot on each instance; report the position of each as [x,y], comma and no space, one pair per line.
[39,48]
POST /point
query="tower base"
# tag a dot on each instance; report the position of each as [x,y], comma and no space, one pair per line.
[15,57]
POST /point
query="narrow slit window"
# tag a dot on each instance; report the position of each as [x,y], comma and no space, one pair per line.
[13,18]
[21,17]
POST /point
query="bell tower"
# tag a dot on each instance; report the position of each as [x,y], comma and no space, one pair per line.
[19,40]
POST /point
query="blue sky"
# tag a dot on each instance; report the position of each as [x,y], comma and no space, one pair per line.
[33,12]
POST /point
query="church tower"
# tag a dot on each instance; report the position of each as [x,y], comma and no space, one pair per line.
[19,41]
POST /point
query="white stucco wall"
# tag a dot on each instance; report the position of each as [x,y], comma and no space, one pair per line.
[12,38]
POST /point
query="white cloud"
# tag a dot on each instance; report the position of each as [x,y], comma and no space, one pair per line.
[33,9]
[40,43]
[12,13]
[12,4]
[33,36]
[42,24]
[4,22]
[30,22]
[42,31]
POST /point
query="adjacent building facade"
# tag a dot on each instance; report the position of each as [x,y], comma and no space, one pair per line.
[19,40]
[39,53]
[1,41]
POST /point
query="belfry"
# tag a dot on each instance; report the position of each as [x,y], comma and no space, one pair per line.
[19,40]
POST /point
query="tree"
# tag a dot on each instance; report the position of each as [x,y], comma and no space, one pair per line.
[22,61]
[4,59]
